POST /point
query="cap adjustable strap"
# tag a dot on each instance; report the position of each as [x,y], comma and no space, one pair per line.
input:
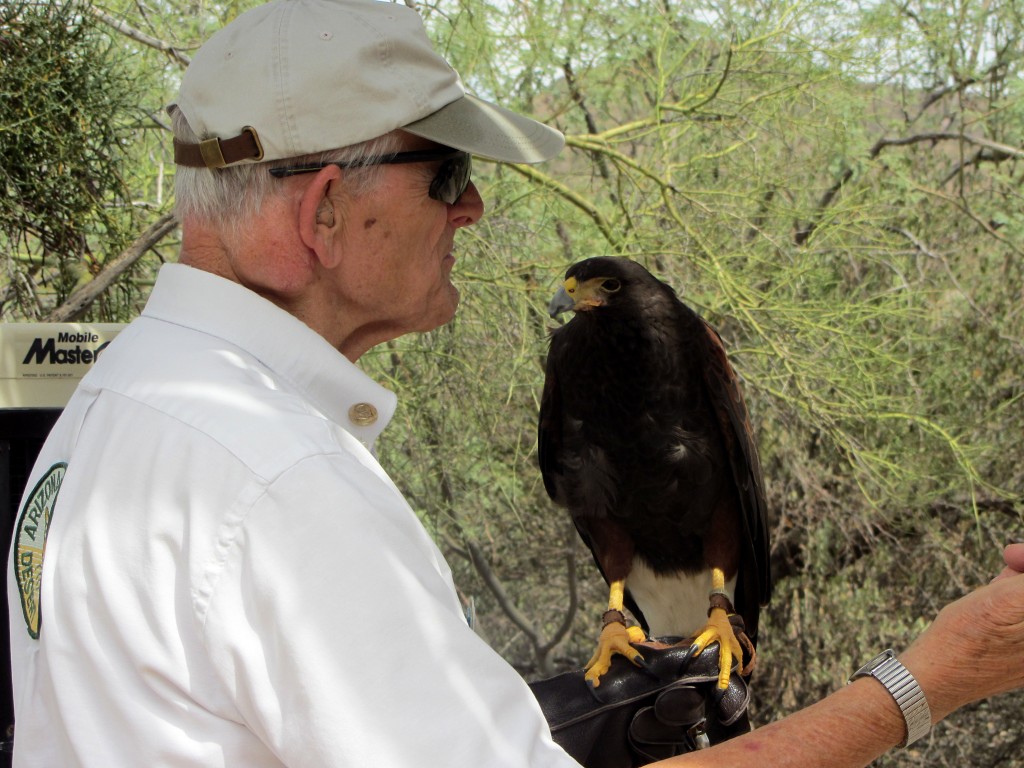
[218,153]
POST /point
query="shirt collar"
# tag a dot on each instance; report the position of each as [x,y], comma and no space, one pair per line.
[205,302]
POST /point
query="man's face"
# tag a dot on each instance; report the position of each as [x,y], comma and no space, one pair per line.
[397,251]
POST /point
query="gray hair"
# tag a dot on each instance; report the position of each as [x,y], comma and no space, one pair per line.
[233,195]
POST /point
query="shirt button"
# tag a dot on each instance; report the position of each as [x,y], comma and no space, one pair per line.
[362,414]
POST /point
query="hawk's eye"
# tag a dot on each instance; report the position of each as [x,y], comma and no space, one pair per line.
[611,285]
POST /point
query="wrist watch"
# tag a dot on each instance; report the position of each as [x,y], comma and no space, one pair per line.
[898,681]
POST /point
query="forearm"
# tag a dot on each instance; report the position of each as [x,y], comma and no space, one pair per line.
[855,725]
[848,729]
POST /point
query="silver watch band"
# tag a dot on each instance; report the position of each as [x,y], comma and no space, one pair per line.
[898,681]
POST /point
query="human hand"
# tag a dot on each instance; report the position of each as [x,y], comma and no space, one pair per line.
[975,647]
[638,715]
[1014,557]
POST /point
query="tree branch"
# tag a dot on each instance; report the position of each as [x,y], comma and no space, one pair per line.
[576,199]
[577,96]
[140,37]
[978,141]
[479,561]
[979,157]
[542,648]
[1000,151]
[80,301]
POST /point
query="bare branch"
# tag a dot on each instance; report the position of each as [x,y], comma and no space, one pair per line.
[979,157]
[542,648]
[999,151]
[577,96]
[82,299]
[721,80]
[140,37]
[493,583]
[939,94]
[571,542]
[995,146]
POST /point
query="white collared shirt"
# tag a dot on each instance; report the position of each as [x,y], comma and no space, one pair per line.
[231,579]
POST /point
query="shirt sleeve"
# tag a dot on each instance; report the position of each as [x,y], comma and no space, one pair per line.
[335,629]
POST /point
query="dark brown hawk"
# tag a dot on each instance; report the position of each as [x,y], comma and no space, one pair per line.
[644,437]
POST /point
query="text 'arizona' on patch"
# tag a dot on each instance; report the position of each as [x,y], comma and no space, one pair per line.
[30,543]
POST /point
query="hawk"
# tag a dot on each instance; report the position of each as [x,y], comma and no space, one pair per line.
[644,437]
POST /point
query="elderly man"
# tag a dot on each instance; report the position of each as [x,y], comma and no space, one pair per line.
[229,577]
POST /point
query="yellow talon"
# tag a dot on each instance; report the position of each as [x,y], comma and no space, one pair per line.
[615,638]
[718,629]
[636,635]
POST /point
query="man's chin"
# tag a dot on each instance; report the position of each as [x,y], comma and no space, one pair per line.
[443,317]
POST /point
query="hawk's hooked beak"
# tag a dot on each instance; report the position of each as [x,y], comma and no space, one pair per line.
[560,302]
[572,295]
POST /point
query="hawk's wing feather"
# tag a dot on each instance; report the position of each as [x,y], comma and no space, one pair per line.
[725,393]
[550,442]
[549,432]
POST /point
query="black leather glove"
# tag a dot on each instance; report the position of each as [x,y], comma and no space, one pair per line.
[639,715]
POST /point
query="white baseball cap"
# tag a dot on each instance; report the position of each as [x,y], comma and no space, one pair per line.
[295,77]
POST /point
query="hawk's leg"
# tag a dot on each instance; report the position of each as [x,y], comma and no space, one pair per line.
[731,640]
[615,637]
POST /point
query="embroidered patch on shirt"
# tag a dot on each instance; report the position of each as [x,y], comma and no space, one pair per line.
[30,537]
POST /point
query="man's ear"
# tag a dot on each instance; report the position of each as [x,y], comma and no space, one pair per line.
[319,220]
[325,213]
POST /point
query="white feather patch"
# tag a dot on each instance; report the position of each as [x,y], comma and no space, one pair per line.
[674,604]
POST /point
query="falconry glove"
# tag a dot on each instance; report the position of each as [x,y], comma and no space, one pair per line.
[640,715]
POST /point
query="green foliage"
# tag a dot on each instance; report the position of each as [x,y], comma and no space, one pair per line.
[65,99]
[849,240]
[835,186]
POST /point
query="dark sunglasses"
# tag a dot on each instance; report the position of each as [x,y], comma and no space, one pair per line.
[448,184]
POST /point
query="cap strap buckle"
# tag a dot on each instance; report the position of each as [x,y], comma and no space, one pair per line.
[217,153]
[212,156]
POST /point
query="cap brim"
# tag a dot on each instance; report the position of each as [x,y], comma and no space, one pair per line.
[481,128]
